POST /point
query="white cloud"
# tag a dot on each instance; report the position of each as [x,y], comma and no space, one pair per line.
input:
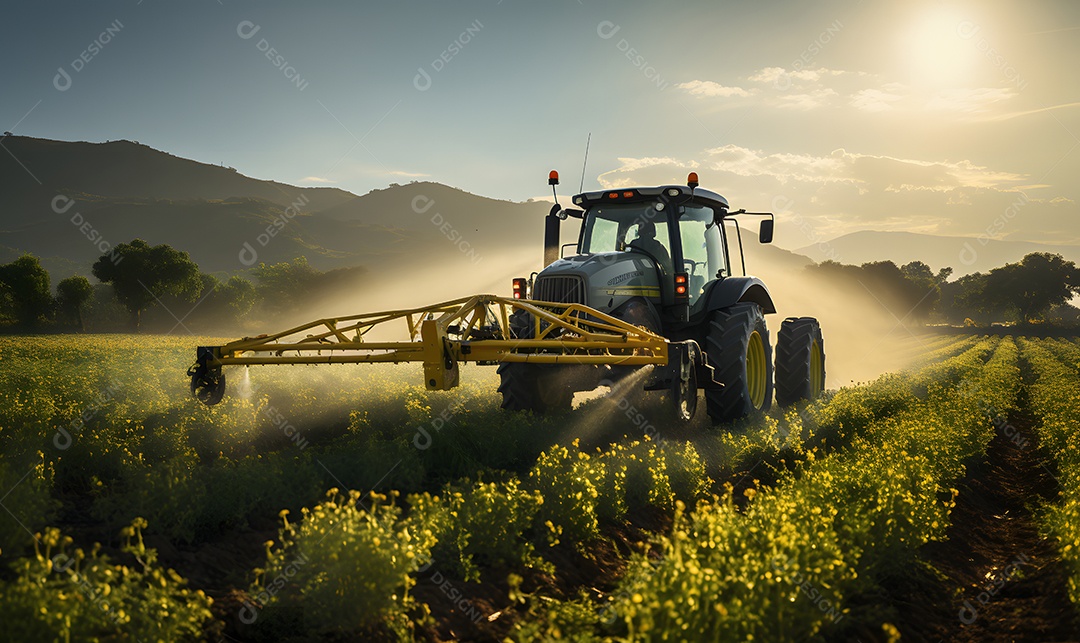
[783,167]
[844,191]
[874,100]
[812,89]
[315,179]
[976,100]
[711,89]
[411,175]
[781,76]
[807,101]
[767,75]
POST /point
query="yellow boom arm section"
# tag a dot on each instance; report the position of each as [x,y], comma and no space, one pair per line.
[470,329]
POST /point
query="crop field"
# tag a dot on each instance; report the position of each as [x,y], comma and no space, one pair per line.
[940,502]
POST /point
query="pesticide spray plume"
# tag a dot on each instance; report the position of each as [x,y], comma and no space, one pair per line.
[610,408]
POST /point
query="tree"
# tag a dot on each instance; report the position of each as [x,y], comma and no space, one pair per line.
[910,292]
[224,303]
[27,288]
[141,274]
[72,294]
[283,286]
[239,296]
[1031,287]
[1027,290]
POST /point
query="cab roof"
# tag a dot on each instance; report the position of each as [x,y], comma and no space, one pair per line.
[637,194]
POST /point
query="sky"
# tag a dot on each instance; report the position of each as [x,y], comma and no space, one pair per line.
[953,118]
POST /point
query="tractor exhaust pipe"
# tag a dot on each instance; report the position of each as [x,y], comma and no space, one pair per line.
[551,236]
[551,224]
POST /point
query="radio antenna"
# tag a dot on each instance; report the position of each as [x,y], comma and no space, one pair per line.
[584,163]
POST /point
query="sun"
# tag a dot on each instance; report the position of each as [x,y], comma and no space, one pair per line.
[940,48]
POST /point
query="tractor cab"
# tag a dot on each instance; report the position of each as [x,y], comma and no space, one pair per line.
[649,255]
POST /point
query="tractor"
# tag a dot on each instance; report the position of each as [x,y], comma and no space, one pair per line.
[649,285]
[659,258]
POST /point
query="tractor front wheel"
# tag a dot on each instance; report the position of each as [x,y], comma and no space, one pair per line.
[737,345]
[800,361]
[533,387]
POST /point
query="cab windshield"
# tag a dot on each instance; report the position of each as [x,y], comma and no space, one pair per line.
[634,227]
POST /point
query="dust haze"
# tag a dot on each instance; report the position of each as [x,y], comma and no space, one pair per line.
[863,339]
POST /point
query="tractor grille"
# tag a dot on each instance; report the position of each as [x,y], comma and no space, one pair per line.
[560,289]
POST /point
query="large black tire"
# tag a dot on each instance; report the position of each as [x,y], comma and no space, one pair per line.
[728,341]
[533,387]
[800,361]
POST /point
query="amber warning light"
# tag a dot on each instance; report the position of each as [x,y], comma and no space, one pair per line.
[520,287]
[681,281]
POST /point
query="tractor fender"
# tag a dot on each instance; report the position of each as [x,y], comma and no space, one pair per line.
[640,312]
[733,290]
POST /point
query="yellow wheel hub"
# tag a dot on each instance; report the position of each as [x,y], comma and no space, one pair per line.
[817,371]
[756,370]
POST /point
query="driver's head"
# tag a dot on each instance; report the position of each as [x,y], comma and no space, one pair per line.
[646,230]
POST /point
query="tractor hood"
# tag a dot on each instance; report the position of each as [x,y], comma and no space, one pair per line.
[604,267]
[604,280]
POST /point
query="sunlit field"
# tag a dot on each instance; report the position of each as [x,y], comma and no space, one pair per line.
[349,503]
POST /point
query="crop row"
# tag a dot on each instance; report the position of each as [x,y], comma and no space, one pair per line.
[724,571]
[1055,400]
[136,448]
[782,568]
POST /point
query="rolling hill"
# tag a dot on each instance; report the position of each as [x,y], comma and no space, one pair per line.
[94,195]
[69,202]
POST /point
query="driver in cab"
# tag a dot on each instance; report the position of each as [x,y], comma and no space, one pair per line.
[647,243]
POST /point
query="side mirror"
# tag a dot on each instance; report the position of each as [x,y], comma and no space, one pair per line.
[765,232]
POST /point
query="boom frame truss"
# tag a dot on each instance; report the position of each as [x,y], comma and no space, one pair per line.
[442,336]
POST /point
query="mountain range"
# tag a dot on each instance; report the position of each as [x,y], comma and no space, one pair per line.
[70,202]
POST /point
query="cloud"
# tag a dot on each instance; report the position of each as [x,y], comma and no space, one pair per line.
[411,175]
[711,89]
[874,100]
[969,101]
[1010,115]
[781,76]
[633,170]
[807,101]
[813,89]
[783,167]
[844,191]
[315,179]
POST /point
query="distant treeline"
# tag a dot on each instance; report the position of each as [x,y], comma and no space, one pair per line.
[160,289]
[1038,288]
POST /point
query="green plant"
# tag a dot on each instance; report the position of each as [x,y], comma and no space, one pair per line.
[349,567]
[565,480]
[482,525]
[72,595]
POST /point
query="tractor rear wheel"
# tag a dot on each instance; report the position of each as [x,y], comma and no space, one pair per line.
[737,345]
[800,361]
[533,387]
